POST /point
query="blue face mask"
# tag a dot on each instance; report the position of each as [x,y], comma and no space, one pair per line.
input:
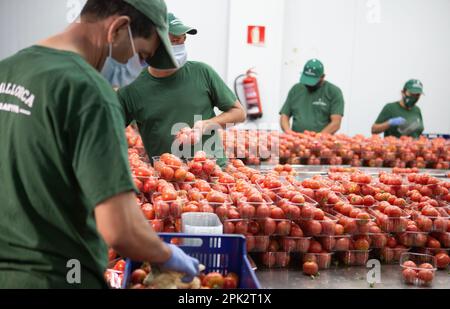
[119,74]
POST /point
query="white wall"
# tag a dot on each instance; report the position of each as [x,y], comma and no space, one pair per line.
[23,22]
[320,29]
[266,60]
[210,18]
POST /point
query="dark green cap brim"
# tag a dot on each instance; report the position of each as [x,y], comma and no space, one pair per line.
[309,80]
[180,30]
[156,11]
[415,90]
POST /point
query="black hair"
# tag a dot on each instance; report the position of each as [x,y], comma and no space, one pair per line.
[140,25]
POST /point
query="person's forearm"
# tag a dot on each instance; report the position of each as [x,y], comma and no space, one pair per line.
[231,117]
[141,243]
[332,128]
[380,128]
[284,123]
[129,233]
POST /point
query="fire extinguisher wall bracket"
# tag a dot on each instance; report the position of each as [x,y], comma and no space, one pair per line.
[252,99]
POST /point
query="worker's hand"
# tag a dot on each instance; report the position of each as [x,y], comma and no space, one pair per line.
[182,263]
[290,132]
[206,126]
[395,122]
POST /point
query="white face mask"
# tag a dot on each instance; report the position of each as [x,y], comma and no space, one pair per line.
[119,74]
[180,53]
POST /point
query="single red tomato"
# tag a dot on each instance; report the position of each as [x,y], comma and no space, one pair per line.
[241,227]
[138,276]
[425,275]
[310,268]
[231,281]
[283,228]
[269,226]
[180,175]
[262,211]
[442,260]
[148,211]
[409,275]
[120,265]
[167,173]
[112,255]
[213,280]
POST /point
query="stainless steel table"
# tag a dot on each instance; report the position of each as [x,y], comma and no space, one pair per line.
[341,278]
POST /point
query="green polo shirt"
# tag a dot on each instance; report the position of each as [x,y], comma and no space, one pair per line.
[161,105]
[62,152]
[312,111]
[414,122]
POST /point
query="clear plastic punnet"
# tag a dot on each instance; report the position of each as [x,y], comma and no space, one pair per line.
[418,269]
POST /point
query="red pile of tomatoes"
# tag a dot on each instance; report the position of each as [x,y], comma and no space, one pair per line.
[346,216]
[311,148]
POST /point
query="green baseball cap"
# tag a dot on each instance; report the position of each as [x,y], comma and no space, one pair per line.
[156,11]
[414,86]
[176,26]
[312,72]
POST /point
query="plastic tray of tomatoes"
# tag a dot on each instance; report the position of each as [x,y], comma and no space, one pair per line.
[326,198]
[418,269]
[322,259]
[359,225]
[254,210]
[434,251]
[324,226]
[435,224]
[390,224]
[378,240]
[219,253]
[392,255]
[295,244]
[275,259]
[335,242]
[305,211]
[270,186]
[354,257]
[444,239]
[275,227]
[226,188]
[442,256]
[413,239]
[167,205]
[146,184]
[267,227]
[257,243]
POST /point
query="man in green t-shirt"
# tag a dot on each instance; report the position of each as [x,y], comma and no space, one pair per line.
[314,104]
[66,186]
[164,101]
[402,118]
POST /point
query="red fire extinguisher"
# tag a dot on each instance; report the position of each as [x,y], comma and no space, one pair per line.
[251,94]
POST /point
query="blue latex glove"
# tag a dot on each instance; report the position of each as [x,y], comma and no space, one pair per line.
[182,263]
[395,122]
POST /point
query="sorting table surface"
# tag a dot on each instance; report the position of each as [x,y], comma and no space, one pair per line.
[342,278]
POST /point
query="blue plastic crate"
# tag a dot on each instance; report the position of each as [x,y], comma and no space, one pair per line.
[219,253]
